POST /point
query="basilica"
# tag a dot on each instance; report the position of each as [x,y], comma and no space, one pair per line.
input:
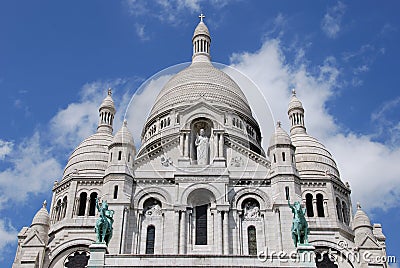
[201,190]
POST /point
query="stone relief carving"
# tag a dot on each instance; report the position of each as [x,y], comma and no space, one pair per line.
[153,210]
[237,161]
[251,211]
[166,161]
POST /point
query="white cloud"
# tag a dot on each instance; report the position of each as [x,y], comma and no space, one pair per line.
[8,236]
[79,120]
[331,23]
[140,32]
[5,148]
[139,107]
[32,169]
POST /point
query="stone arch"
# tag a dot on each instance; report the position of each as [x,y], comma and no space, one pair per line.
[196,186]
[65,249]
[241,195]
[325,245]
[158,193]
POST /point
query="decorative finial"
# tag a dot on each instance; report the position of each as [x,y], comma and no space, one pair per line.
[44,204]
[109,91]
[125,122]
[201,17]
[358,205]
[278,124]
[293,92]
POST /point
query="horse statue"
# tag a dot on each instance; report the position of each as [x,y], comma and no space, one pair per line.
[300,229]
[104,223]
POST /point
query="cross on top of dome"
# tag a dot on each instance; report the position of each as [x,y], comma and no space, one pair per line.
[201,16]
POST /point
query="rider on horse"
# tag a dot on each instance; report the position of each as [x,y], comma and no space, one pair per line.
[300,229]
[104,223]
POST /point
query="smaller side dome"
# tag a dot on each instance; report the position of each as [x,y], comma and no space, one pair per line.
[123,136]
[42,217]
[280,136]
[361,219]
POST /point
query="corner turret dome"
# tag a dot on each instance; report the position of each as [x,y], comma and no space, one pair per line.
[123,136]
[280,136]
[42,217]
[361,219]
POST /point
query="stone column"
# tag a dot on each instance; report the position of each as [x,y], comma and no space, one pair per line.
[225,232]
[186,148]
[139,234]
[216,153]
[87,206]
[278,222]
[235,233]
[176,235]
[123,234]
[219,239]
[221,145]
[326,209]
[182,239]
[181,139]
[314,203]
[240,239]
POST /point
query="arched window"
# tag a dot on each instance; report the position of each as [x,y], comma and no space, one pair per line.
[320,205]
[309,205]
[252,240]
[115,191]
[110,157]
[119,155]
[64,207]
[151,233]
[82,204]
[201,225]
[58,210]
[92,204]
[274,158]
[345,213]
[339,209]
[283,157]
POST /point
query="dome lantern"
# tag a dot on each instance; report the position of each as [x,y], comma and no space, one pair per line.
[201,42]
[106,114]
[296,115]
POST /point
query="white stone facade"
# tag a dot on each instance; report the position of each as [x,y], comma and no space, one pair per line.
[171,209]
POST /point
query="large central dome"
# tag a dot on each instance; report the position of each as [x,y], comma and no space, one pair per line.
[201,80]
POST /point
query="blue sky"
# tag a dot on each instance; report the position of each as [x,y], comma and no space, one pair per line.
[57,58]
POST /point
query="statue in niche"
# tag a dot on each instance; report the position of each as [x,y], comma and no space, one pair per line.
[153,209]
[202,146]
[251,210]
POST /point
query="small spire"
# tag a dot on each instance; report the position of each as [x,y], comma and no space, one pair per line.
[125,123]
[278,124]
[201,16]
[293,92]
[358,206]
[44,203]
[109,91]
